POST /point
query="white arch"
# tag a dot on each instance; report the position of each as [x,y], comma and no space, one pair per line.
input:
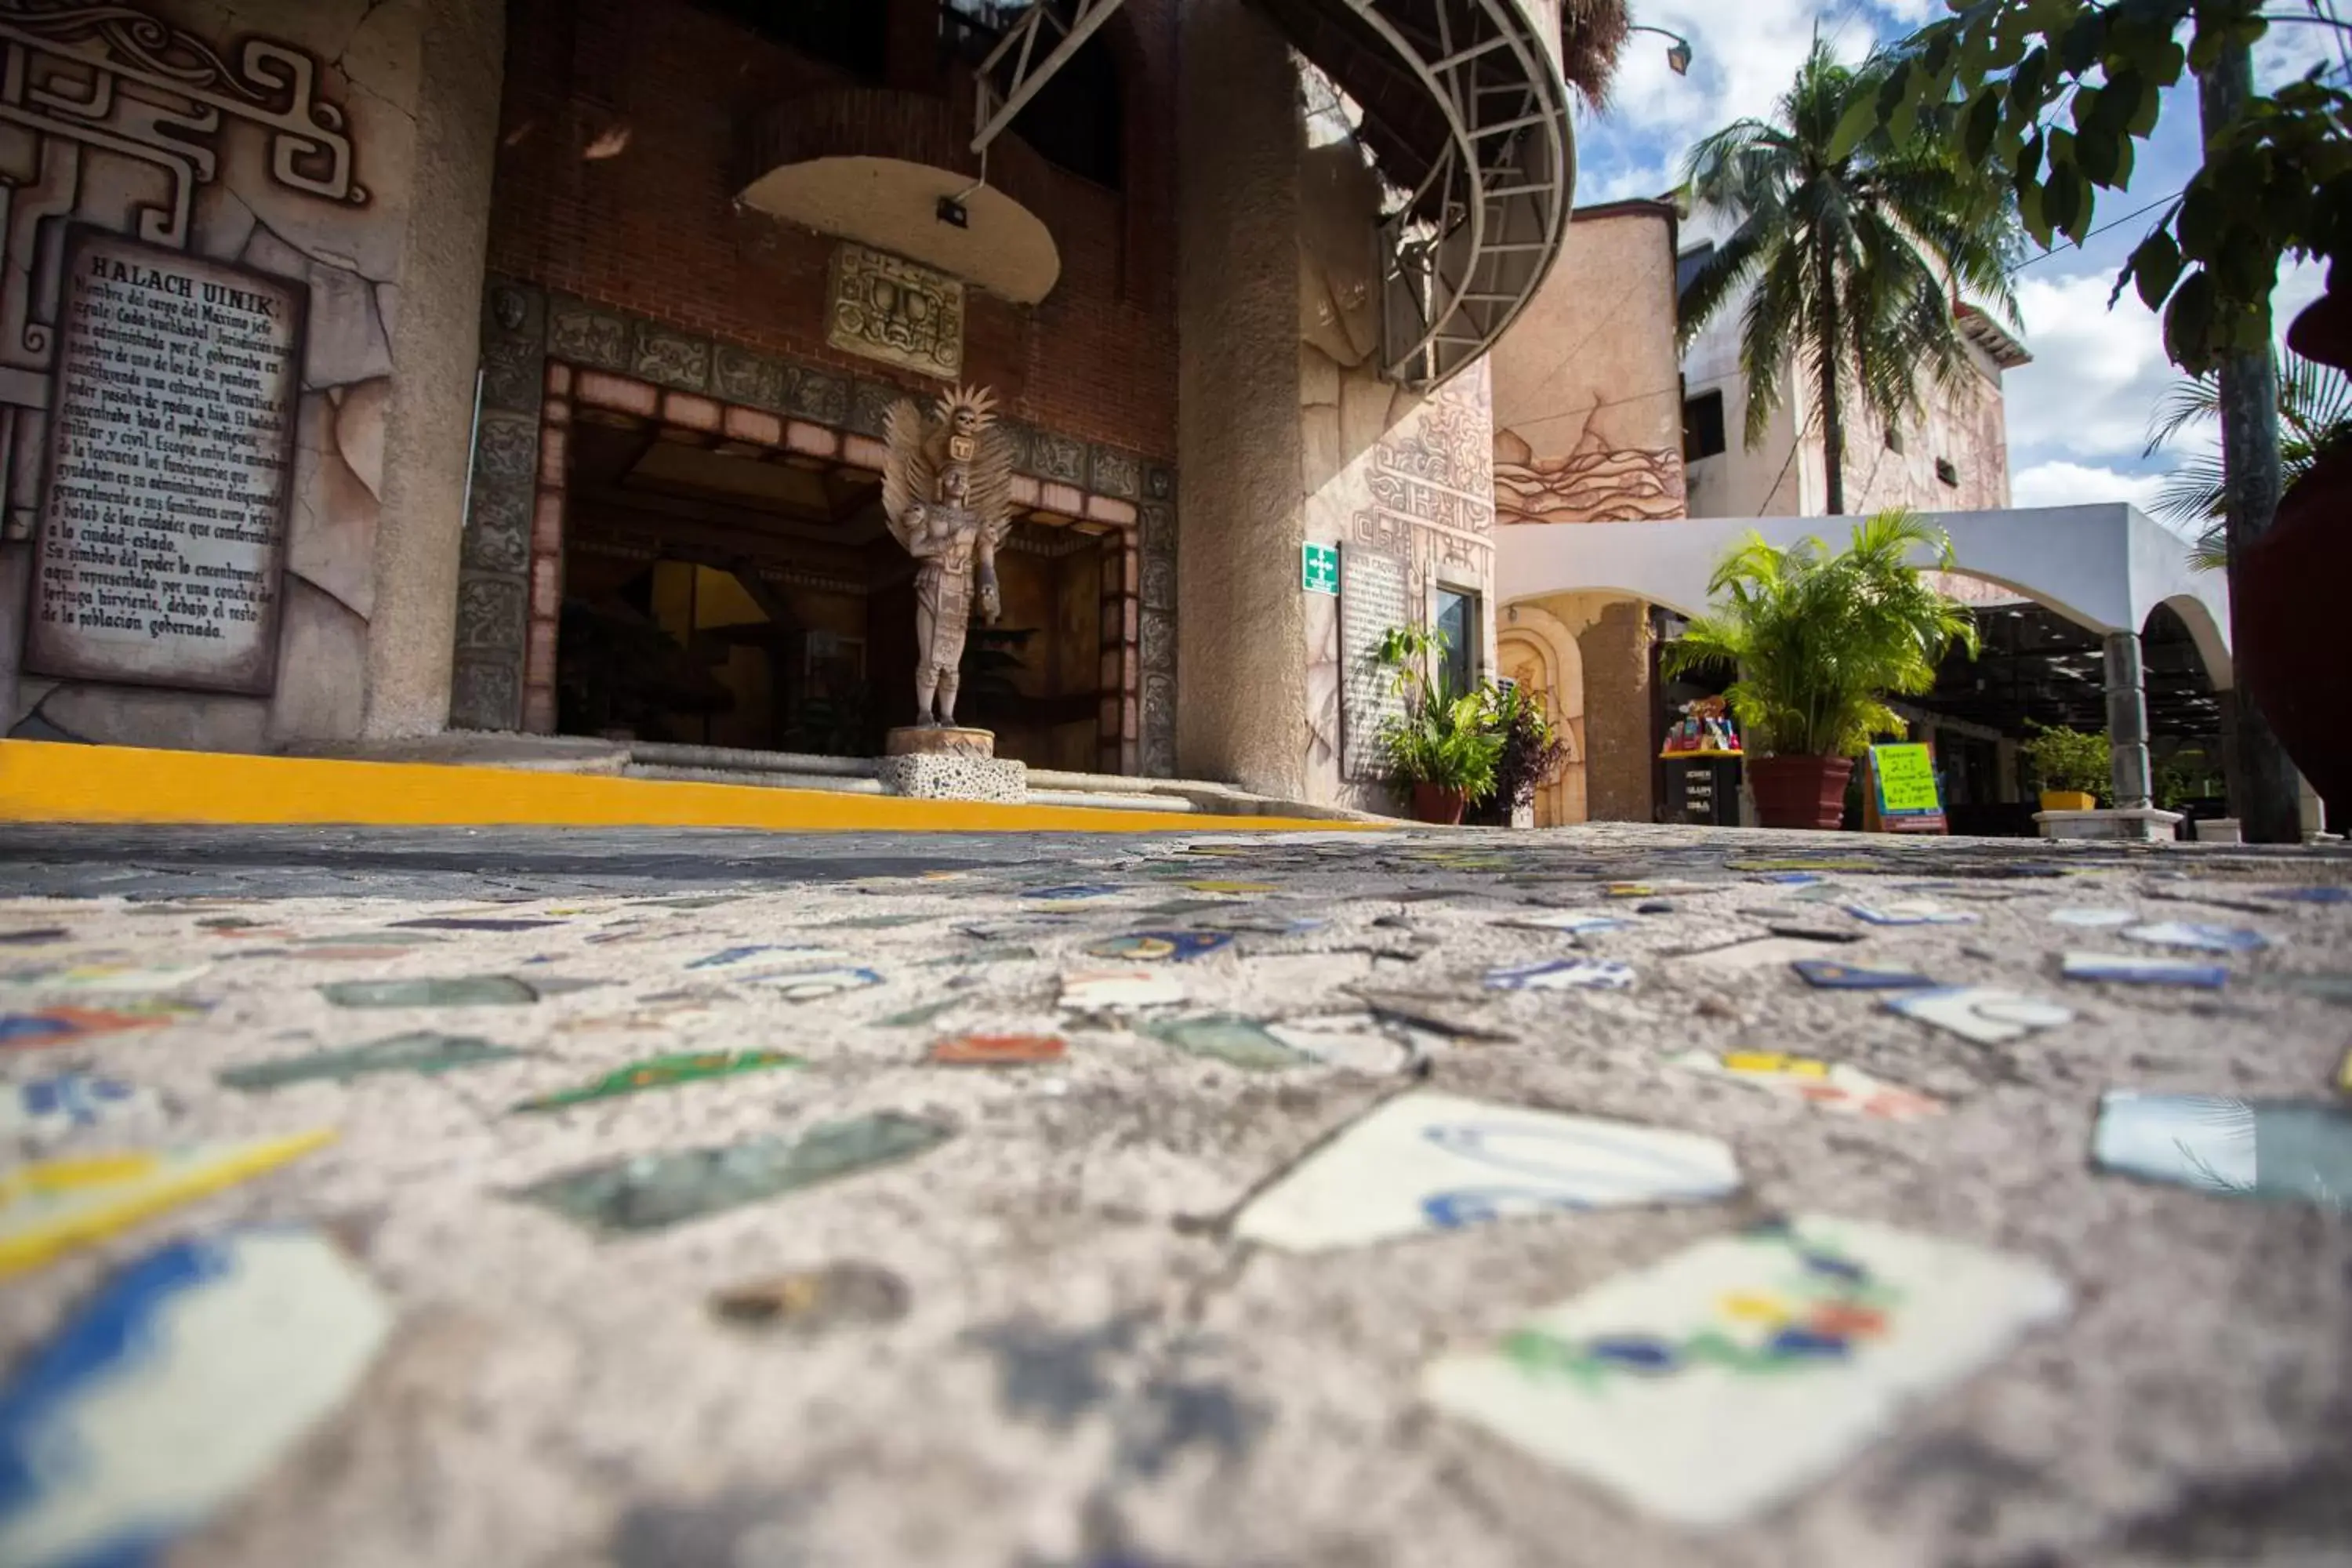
[2105,567]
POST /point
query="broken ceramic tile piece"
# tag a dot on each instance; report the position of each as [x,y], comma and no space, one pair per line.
[48,1108]
[1073,894]
[463,991]
[57,1026]
[815,1299]
[455,923]
[662,1072]
[1711,1386]
[1735,957]
[2287,1150]
[1426,1161]
[1152,946]
[1980,1013]
[1237,888]
[2344,1074]
[38,936]
[2128,970]
[652,1192]
[2193,934]
[1825,975]
[1797,932]
[51,1206]
[1227,1037]
[1576,922]
[425,1053]
[997,1050]
[1561,974]
[813,984]
[1353,1041]
[1100,988]
[2091,919]
[179,1385]
[1433,1014]
[2301,895]
[726,958]
[1910,912]
[104,977]
[1826,1086]
[915,1017]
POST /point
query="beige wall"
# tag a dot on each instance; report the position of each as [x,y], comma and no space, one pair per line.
[1588,400]
[1591,654]
[391,262]
[1298,443]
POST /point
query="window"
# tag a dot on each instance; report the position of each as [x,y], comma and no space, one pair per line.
[1457,621]
[1948,472]
[852,34]
[1894,440]
[1686,266]
[1702,426]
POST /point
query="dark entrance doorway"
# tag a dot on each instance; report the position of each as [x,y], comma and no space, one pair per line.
[731,595]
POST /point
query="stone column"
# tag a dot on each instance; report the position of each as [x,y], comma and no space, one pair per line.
[435,346]
[2127,721]
[1241,660]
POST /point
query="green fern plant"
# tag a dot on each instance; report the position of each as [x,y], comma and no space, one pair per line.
[1441,738]
[1817,641]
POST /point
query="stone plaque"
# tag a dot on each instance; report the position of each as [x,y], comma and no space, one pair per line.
[886,308]
[171,457]
[1372,598]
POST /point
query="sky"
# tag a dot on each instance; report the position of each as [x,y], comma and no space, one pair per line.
[2078,414]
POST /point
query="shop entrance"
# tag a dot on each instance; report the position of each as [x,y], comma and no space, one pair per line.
[731,595]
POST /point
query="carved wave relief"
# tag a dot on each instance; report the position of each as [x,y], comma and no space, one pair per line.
[1594,483]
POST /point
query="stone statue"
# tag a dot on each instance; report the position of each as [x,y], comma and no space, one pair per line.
[947,489]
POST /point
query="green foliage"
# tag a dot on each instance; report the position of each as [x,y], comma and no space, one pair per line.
[1441,738]
[2276,180]
[2064,759]
[1446,741]
[2314,418]
[1819,641]
[1533,749]
[2187,774]
[1843,248]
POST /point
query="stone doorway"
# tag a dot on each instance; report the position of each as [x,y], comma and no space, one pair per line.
[722,592]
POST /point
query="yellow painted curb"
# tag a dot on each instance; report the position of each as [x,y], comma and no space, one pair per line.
[44,782]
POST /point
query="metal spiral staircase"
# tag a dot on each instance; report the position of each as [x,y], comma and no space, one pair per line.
[1464,111]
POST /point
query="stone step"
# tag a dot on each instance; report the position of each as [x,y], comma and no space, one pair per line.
[754,778]
[727,759]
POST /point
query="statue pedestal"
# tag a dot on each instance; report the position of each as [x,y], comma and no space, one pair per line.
[939,764]
[939,740]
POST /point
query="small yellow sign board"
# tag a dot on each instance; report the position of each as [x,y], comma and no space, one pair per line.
[1903,789]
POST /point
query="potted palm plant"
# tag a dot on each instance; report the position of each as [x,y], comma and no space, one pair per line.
[1818,642]
[2072,769]
[1441,750]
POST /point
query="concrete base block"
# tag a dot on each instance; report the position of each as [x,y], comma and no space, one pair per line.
[939,776]
[939,740]
[2143,822]
[2218,830]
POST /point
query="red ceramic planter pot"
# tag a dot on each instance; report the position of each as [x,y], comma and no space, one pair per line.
[1800,792]
[1436,802]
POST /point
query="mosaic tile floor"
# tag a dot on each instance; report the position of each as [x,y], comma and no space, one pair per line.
[1607,1195]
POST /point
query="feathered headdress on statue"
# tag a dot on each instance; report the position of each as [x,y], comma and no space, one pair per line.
[919,450]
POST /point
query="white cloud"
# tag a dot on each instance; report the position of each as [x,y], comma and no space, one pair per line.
[1745,54]
[2097,373]
[2061,483]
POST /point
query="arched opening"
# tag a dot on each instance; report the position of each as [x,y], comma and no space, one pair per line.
[2185,750]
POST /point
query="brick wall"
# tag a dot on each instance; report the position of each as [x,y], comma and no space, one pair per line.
[654,229]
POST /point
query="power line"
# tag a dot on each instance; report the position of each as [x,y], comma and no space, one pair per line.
[2097,232]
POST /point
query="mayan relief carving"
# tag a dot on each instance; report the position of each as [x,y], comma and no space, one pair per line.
[885,308]
[1596,482]
[212,158]
[1431,485]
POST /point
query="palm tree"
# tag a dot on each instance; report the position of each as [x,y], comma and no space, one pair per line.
[1846,262]
[2315,416]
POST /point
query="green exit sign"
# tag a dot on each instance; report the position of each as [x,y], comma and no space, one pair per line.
[1319,568]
